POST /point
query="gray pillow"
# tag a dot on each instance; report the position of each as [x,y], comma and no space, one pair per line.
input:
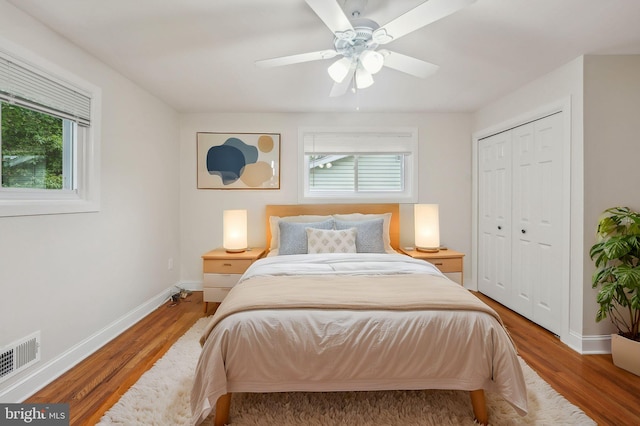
[370,236]
[293,236]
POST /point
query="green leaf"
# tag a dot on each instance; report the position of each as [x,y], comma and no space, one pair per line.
[607,226]
[616,247]
[600,315]
[628,276]
[607,293]
[602,276]
[635,301]
[596,249]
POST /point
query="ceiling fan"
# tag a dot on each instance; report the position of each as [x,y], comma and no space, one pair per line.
[357,40]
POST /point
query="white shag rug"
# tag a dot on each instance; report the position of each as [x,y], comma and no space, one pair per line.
[161,397]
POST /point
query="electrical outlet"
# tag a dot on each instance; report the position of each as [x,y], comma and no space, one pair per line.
[170,264]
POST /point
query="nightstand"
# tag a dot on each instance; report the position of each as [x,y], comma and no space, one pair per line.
[222,270]
[445,260]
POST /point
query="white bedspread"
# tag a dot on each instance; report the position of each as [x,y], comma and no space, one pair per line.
[273,350]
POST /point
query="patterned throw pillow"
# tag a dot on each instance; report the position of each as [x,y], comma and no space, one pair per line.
[329,241]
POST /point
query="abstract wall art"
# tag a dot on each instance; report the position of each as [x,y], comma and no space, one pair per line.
[238,160]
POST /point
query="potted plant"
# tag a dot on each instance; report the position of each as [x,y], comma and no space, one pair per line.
[617,277]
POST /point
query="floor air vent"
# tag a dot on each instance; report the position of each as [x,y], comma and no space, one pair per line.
[19,355]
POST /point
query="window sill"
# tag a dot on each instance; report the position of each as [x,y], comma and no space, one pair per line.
[9,208]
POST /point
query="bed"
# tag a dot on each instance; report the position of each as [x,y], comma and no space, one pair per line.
[334,307]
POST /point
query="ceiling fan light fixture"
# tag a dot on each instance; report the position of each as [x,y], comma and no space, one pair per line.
[371,61]
[339,69]
[357,39]
[364,78]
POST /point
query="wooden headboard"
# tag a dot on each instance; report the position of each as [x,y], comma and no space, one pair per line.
[327,209]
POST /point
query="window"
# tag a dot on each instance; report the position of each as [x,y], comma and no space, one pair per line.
[356,173]
[48,148]
[37,149]
[365,164]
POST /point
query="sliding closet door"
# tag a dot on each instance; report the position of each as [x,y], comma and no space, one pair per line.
[494,212]
[537,233]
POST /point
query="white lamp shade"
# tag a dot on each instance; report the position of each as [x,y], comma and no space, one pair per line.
[339,69]
[427,226]
[372,61]
[234,230]
[364,78]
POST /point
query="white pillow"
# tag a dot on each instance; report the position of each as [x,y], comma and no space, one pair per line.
[331,241]
[275,229]
[358,217]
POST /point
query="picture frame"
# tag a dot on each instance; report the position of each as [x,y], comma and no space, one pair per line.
[238,160]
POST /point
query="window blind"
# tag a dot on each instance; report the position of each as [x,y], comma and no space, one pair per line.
[355,142]
[359,173]
[22,85]
[339,177]
[380,173]
[358,162]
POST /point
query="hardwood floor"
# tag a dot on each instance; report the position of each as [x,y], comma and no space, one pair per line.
[94,385]
[607,394]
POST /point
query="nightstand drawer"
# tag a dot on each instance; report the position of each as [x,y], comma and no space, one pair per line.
[220,280]
[214,294]
[447,265]
[222,270]
[226,266]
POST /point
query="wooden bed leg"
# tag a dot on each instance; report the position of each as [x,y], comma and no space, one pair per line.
[479,406]
[222,410]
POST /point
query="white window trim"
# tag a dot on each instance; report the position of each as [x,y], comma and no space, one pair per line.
[409,195]
[86,198]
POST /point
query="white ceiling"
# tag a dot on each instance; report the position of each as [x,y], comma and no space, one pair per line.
[198,55]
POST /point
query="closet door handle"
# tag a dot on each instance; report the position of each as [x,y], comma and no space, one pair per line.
[524,231]
[499,227]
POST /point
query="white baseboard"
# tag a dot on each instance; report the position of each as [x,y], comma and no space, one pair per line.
[590,344]
[191,285]
[573,340]
[37,379]
[598,344]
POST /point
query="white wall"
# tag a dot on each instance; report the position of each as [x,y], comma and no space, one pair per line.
[444,176]
[612,148]
[80,278]
[564,82]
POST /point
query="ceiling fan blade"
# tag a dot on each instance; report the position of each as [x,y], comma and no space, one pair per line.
[408,64]
[296,59]
[424,14]
[340,89]
[333,17]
